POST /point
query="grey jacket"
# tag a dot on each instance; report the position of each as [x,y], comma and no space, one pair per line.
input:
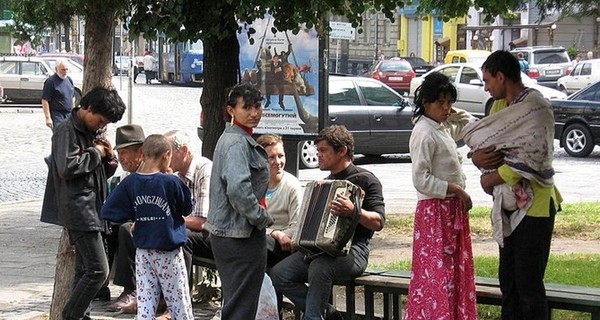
[78,175]
[239,179]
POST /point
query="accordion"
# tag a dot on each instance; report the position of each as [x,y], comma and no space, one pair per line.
[319,230]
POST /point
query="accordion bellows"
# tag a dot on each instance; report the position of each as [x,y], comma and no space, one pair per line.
[318,229]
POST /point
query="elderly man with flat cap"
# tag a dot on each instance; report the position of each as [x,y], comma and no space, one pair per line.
[129,141]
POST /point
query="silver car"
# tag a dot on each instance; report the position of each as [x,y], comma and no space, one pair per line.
[23,78]
[472,97]
[546,64]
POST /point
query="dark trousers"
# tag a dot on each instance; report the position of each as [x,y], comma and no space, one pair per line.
[125,259]
[241,263]
[91,270]
[275,255]
[522,266]
[197,244]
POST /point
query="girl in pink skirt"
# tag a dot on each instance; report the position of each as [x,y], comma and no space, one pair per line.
[443,282]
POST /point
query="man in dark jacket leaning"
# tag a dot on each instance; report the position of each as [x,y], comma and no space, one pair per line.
[83,160]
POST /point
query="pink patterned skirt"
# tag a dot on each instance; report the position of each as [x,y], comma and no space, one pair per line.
[443,282]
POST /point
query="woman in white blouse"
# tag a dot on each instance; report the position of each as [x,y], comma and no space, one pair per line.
[443,284]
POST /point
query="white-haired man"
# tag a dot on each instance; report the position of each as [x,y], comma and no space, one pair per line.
[58,95]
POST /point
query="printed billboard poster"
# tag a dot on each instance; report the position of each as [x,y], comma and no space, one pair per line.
[284,67]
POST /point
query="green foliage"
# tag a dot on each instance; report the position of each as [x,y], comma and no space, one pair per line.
[572,51]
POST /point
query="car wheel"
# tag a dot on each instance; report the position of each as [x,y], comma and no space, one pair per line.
[563,89]
[308,155]
[577,140]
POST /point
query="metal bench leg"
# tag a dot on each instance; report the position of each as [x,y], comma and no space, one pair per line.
[387,306]
[350,298]
[596,314]
[396,306]
[369,303]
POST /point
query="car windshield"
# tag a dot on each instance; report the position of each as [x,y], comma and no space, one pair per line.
[74,67]
[545,57]
[395,66]
[415,61]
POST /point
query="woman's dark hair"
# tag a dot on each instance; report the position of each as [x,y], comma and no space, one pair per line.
[247,92]
[434,86]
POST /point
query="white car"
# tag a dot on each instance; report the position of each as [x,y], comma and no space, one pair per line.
[472,97]
[23,78]
[585,73]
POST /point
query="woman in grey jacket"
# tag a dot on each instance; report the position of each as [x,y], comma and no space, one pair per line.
[237,215]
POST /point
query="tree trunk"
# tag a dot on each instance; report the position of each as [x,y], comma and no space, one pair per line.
[221,62]
[99,20]
[63,277]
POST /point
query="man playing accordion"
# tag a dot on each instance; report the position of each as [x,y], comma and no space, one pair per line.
[307,280]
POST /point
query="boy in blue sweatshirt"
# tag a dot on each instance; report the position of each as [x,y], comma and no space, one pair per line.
[157,203]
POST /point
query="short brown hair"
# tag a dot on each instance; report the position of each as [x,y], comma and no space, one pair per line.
[267,140]
[155,146]
[338,137]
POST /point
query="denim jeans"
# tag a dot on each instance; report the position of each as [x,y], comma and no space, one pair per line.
[522,266]
[291,275]
[91,270]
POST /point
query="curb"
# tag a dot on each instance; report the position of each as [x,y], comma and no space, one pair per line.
[4,109]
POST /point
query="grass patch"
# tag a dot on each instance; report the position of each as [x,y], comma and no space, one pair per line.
[576,221]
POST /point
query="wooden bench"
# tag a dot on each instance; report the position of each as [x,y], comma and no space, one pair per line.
[393,285]
[349,285]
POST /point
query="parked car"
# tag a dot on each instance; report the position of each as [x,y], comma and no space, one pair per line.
[472,97]
[121,65]
[74,67]
[419,65]
[577,121]
[394,72]
[466,56]
[546,64]
[79,58]
[23,78]
[378,117]
[585,73]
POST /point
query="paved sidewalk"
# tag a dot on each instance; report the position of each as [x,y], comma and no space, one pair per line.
[28,262]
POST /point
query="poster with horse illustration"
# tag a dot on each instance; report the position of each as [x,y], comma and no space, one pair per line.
[283,66]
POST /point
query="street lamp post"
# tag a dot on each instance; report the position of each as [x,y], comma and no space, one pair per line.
[551,33]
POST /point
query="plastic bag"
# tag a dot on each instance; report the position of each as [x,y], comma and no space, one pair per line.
[267,302]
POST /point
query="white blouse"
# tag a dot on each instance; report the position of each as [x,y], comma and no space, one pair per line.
[435,160]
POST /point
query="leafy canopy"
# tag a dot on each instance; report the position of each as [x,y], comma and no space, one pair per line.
[209,20]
